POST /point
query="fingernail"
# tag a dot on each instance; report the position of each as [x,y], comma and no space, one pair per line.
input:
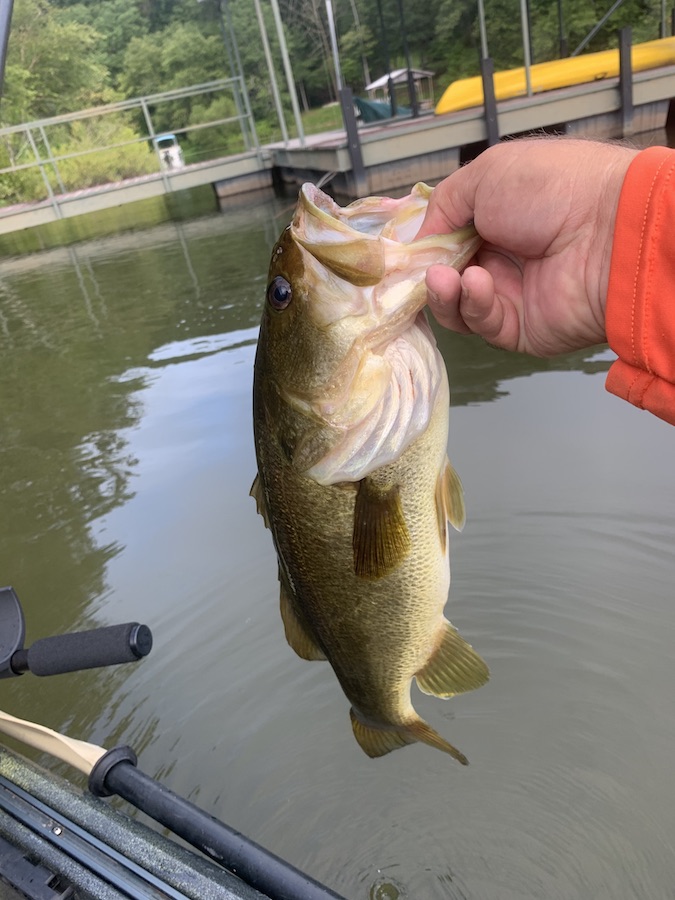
[432,296]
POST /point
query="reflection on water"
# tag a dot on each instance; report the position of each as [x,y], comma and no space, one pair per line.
[126,460]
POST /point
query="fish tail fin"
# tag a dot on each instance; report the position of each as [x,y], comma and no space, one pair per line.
[379,740]
[426,734]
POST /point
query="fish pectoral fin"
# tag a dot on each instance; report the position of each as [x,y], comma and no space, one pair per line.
[449,501]
[315,443]
[297,635]
[257,493]
[454,667]
[380,540]
[376,741]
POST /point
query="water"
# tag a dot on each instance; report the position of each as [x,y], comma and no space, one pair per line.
[125,464]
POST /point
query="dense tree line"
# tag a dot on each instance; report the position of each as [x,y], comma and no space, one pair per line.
[66,55]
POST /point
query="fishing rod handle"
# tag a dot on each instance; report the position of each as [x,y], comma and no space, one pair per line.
[106,646]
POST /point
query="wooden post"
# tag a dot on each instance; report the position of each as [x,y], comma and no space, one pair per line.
[626,81]
[487,70]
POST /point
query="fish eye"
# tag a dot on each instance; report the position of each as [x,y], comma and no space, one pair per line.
[279,293]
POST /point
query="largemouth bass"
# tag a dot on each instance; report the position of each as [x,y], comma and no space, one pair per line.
[351,425]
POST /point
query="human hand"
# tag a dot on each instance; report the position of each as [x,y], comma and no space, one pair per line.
[546,210]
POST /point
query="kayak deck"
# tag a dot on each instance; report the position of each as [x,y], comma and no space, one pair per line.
[82,843]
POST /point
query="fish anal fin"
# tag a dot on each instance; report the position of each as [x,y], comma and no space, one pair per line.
[297,635]
[453,668]
[378,741]
[258,495]
[450,501]
[380,540]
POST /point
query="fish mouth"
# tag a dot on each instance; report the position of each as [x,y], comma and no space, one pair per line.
[362,281]
[367,253]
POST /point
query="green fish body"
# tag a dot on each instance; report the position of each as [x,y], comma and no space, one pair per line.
[351,424]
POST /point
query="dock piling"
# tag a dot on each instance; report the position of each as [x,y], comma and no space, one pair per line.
[487,70]
[359,175]
[626,80]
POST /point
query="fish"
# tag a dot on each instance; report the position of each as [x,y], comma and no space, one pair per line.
[350,411]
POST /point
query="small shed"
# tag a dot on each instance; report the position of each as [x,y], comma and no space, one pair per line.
[424,87]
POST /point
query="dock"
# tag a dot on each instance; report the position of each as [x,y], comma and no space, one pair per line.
[394,154]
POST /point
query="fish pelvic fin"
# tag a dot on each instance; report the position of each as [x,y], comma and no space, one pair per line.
[258,495]
[297,634]
[380,540]
[449,501]
[377,742]
[453,668]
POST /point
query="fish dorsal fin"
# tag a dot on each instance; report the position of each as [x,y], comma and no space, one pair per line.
[449,501]
[454,667]
[380,540]
[297,635]
[258,495]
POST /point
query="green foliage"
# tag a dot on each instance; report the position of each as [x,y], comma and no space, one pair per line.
[116,22]
[178,56]
[324,118]
[356,45]
[455,47]
[420,25]
[220,140]
[82,169]
[102,166]
[52,65]
[18,187]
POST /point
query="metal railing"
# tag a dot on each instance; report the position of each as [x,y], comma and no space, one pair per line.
[42,150]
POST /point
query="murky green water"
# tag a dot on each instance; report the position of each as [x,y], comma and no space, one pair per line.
[125,462]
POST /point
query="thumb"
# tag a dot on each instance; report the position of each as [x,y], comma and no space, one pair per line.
[452,203]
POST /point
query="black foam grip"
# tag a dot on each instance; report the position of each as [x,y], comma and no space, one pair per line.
[89,649]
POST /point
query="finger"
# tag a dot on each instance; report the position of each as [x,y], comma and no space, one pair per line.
[487,313]
[478,305]
[443,291]
[464,303]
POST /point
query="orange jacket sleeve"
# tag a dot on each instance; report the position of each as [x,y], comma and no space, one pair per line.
[640,313]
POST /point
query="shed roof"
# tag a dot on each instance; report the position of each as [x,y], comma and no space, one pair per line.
[398,76]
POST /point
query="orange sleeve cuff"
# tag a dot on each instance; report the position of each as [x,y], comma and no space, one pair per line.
[640,313]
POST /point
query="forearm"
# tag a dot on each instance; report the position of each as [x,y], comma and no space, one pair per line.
[640,311]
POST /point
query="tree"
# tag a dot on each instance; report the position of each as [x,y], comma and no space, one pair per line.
[455,48]
[356,45]
[178,56]
[116,22]
[51,65]
[310,40]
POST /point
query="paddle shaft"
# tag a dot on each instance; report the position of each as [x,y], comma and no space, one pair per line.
[116,773]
